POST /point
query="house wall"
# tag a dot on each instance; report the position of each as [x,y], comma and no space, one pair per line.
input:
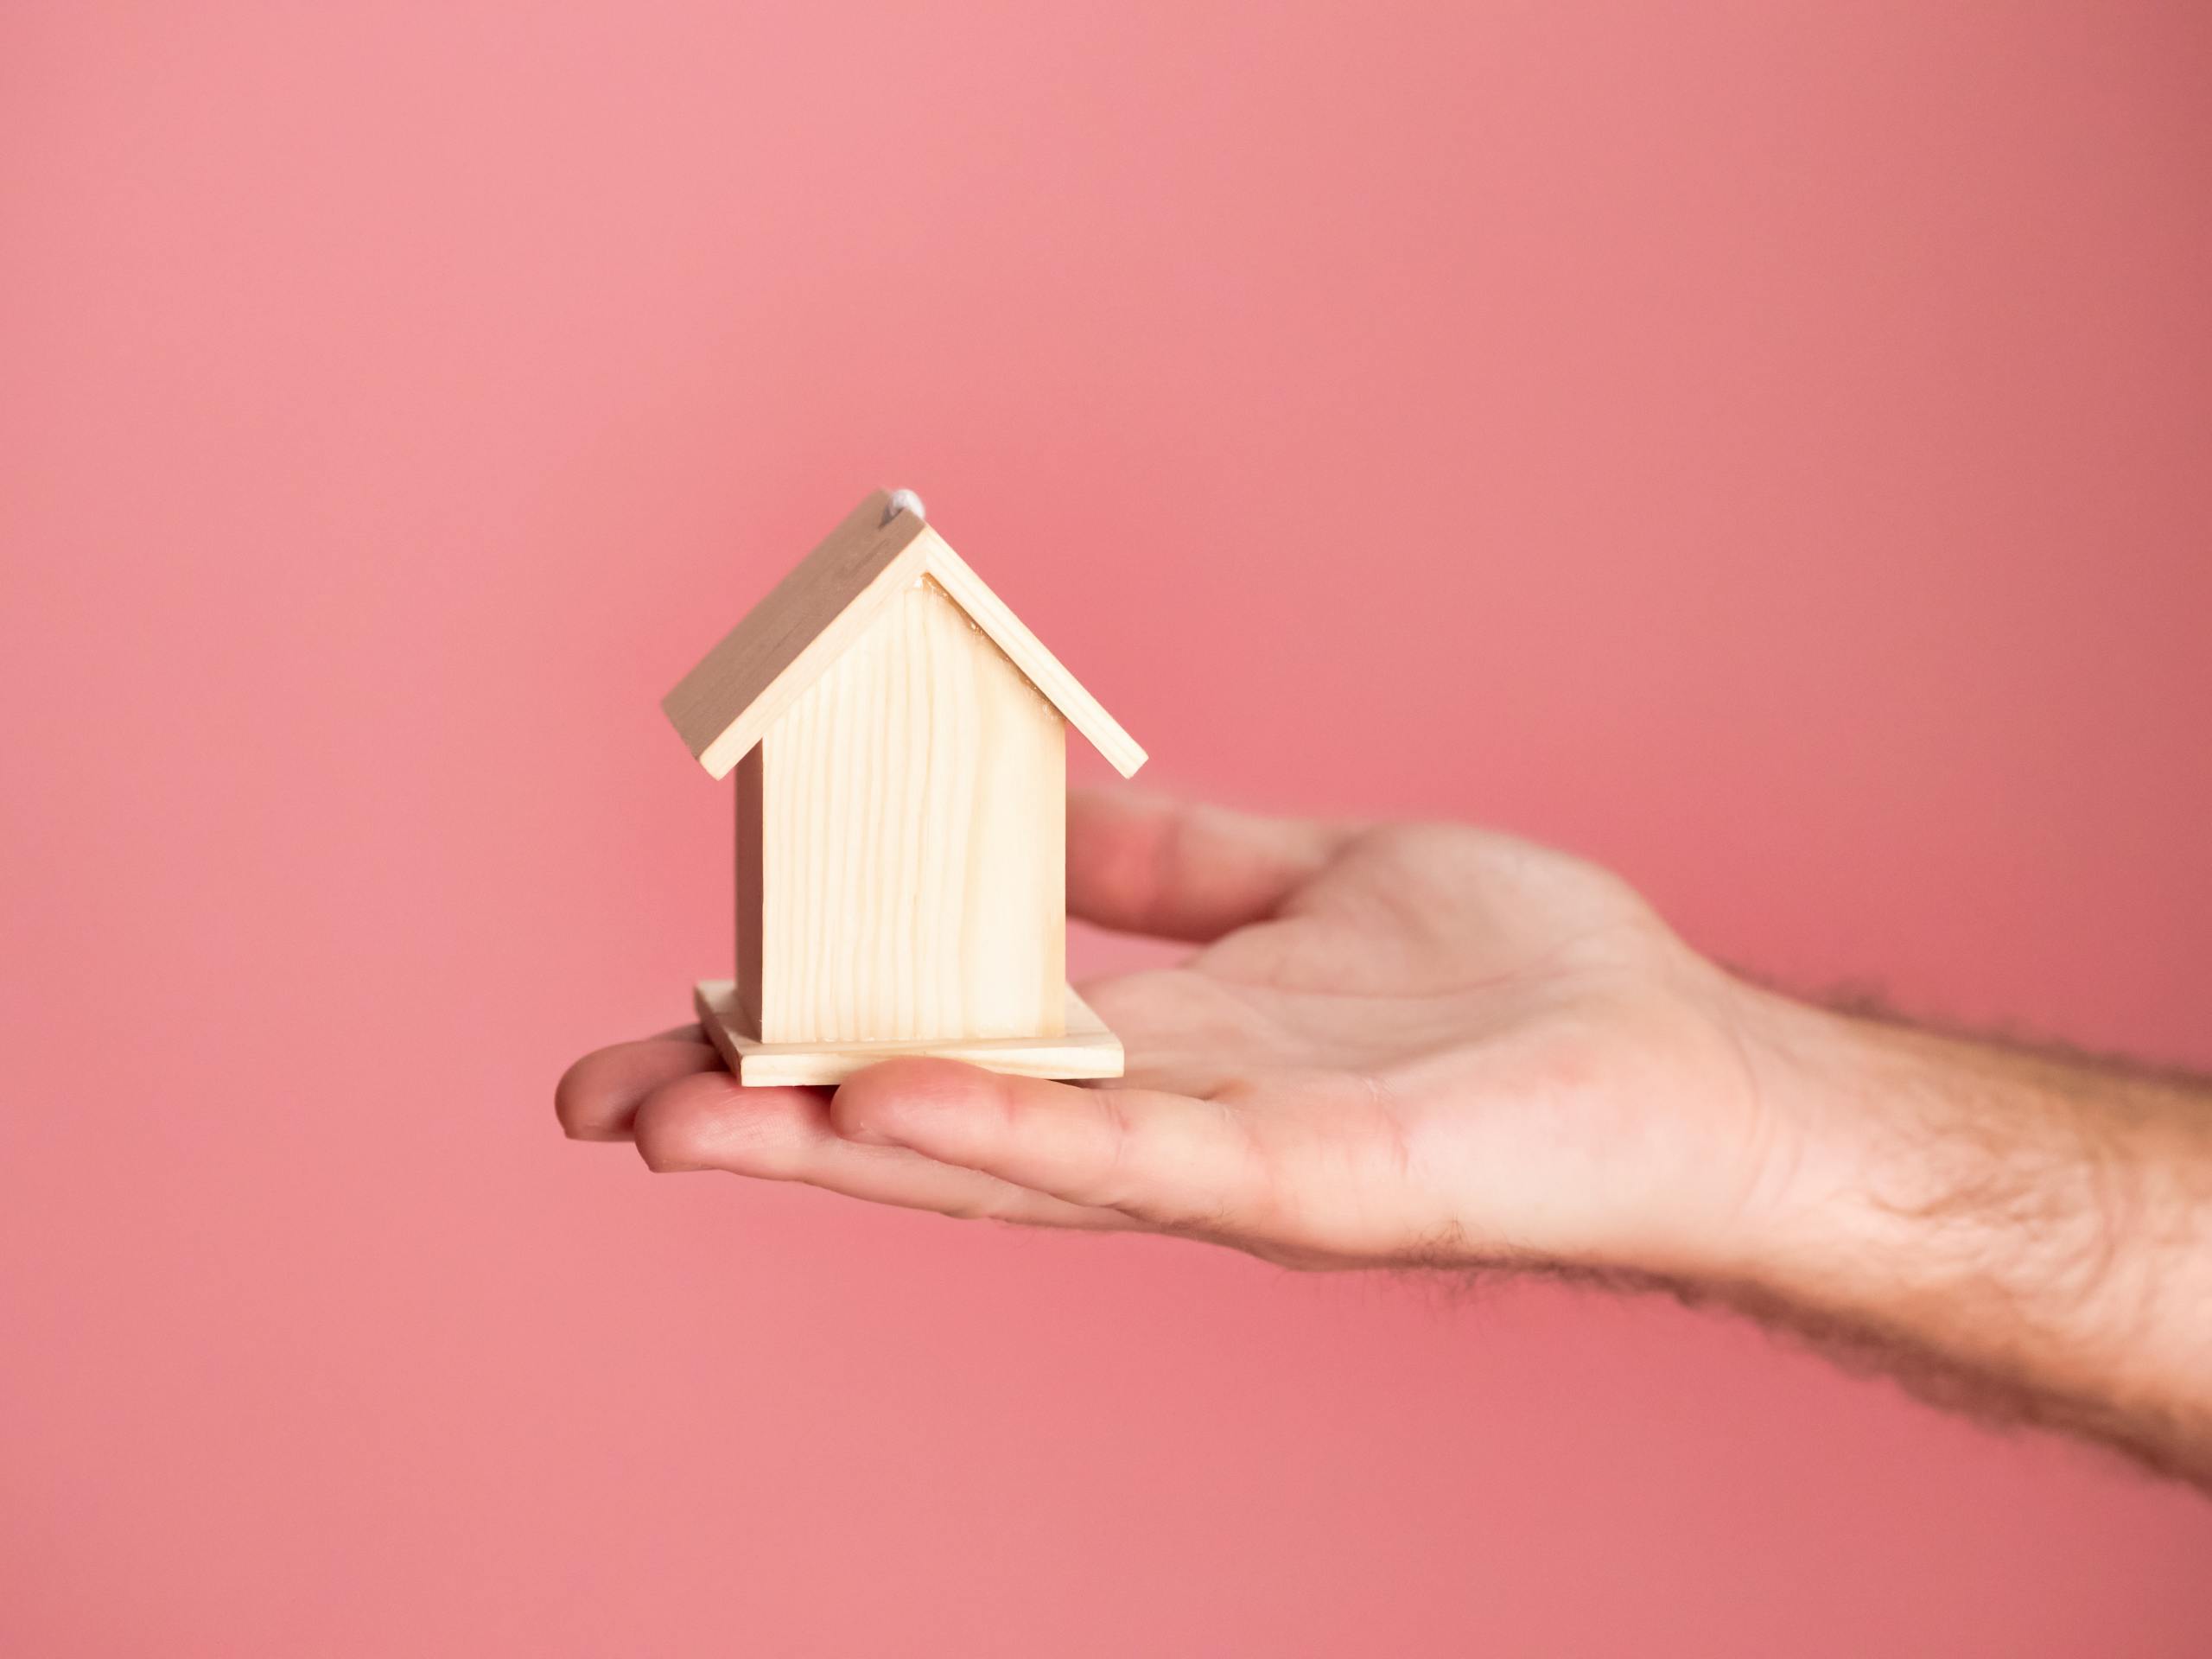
[747,778]
[912,844]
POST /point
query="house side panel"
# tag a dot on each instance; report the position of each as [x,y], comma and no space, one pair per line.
[750,851]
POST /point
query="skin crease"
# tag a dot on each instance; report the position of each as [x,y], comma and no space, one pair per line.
[1430,1045]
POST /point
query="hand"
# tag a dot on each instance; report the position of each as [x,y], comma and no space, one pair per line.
[1420,1043]
[1406,1043]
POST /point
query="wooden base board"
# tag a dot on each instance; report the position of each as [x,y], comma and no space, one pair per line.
[1086,1049]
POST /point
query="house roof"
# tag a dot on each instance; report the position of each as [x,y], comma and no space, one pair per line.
[727,702]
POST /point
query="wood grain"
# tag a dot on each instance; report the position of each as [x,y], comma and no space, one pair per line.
[784,644]
[900,743]
[912,854]
[1084,1049]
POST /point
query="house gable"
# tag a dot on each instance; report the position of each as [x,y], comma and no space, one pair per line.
[901,837]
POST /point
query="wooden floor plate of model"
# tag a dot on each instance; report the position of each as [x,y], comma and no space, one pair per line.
[1085,1049]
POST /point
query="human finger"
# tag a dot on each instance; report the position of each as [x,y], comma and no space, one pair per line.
[1166,1160]
[711,1121]
[597,1096]
[1173,869]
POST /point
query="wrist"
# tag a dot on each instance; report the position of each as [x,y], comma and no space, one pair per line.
[2028,1216]
[1912,1158]
[1837,1196]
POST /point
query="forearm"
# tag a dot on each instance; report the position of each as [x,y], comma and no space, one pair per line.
[2040,1224]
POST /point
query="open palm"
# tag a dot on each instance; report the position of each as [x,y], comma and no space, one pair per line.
[1396,1043]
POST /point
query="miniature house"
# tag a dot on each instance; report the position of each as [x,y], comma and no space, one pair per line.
[899,740]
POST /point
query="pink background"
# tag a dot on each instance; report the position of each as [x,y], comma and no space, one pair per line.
[1766,449]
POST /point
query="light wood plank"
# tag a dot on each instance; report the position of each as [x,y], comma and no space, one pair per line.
[784,644]
[1084,1048]
[750,894]
[912,829]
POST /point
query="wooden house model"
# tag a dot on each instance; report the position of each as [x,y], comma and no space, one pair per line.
[899,740]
